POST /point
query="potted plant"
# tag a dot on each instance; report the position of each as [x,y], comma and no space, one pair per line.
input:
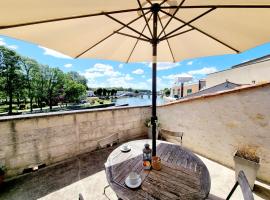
[148,124]
[246,159]
[2,173]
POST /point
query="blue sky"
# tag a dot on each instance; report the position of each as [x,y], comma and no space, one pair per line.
[105,73]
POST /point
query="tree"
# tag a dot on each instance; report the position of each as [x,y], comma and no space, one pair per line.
[30,68]
[54,82]
[99,91]
[113,92]
[104,92]
[40,84]
[75,76]
[136,92]
[10,72]
[167,92]
[73,91]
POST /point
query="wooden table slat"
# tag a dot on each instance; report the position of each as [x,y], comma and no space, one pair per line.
[182,176]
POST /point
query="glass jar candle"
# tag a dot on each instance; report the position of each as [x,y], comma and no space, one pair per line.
[147,155]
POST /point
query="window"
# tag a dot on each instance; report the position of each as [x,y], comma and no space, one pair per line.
[189,91]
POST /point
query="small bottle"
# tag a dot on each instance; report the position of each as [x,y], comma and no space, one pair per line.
[147,154]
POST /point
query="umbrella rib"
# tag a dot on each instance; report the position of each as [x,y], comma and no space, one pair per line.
[201,31]
[132,36]
[162,2]
[219,6]
[137,41]
[108,36]
[188,23]
[146,21]
[127,26]
[69,18]
[167,39]
[178,7]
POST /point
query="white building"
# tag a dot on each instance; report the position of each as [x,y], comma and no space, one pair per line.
[253,71]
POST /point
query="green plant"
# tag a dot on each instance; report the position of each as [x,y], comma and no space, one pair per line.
[248,152]
[2,170]
[147,123]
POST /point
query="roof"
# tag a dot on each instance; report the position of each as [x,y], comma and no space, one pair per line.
[220,87]
[254,61]
[250,62]
[219,93]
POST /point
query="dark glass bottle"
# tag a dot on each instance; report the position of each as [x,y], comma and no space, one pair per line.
[147,155]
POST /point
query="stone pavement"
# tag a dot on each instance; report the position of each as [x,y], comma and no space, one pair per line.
[85,174]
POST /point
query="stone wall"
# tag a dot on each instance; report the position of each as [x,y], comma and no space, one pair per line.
[48,138]
[216,125]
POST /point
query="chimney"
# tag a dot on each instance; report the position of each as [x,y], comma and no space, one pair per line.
[182,89]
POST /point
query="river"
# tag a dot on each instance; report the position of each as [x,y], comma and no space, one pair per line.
[139,101]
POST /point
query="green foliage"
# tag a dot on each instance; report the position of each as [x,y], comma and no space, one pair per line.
[3,170]
[10,71]
[25,80]
[99,91]
[167,92]
[74,91]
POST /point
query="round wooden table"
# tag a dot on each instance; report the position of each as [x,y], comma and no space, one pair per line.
[183,174]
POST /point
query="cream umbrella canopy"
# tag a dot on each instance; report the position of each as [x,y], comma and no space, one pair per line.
[136,30]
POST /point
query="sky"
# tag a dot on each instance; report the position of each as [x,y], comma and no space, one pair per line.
[106,73]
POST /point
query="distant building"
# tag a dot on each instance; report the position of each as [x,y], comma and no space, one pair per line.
[188,88]
[251,72]
[90,93]
[220,87]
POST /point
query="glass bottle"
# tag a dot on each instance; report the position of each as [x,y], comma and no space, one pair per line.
[147,154]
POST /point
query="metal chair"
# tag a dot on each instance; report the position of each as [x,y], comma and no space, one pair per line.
[246,190]
[172,136]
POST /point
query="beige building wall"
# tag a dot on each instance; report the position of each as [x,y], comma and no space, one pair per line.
[48,138]
[216,125]
[259,72]
[193,87]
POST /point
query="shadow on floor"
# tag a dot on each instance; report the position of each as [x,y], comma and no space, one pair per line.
[262,192]
[47,180]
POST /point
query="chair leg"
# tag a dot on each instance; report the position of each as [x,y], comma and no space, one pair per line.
[104,190]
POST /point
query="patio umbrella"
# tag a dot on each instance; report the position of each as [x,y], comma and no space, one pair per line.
[136,30]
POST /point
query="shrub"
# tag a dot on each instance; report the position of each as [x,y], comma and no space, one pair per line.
[2,170]
[248,152]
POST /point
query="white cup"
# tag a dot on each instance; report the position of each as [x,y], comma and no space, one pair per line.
[133,178]
[125,147]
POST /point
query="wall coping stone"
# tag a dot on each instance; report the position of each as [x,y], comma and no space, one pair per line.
[59,113]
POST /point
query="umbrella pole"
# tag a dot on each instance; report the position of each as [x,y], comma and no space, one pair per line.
[155,10]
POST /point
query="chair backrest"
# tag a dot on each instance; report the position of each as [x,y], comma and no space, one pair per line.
[171,133]
[109,140]
[243,182]
[81,197]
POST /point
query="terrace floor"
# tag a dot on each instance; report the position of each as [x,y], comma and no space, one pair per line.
[85,174]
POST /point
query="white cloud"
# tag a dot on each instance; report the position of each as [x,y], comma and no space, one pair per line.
[173,76]
[3,43]
[100,70]
[203,71]
[68,65]
[138,71]
[112,77]
[191,74]
[121,66]
[163,65]
[53,53]
[190,63]
[160,83]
